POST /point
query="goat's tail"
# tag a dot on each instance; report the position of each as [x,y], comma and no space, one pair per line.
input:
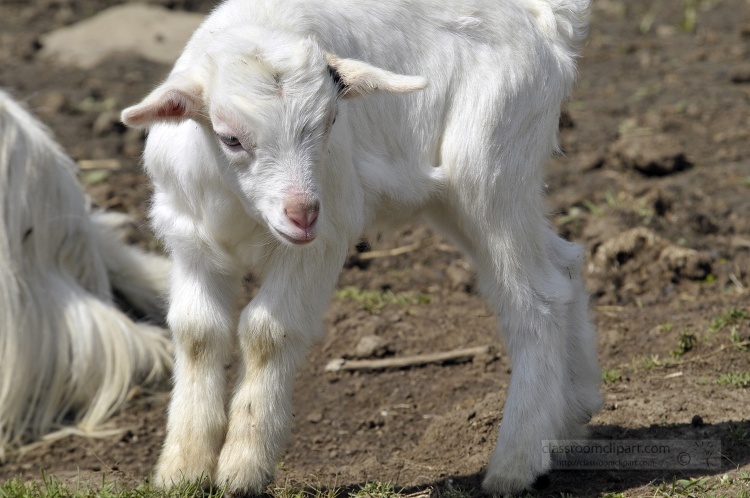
[68,356]
[564,21]
[139,277]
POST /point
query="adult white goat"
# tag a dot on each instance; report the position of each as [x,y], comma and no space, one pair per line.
[282,133]
[68,357]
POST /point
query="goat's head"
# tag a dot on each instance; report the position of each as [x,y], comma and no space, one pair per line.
[271,102]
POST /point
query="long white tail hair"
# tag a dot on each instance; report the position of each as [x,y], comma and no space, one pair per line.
[68,356]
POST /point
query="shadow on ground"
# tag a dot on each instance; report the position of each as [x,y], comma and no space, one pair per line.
[734,453]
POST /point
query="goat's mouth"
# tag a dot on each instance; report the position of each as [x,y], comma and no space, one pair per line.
[300,237]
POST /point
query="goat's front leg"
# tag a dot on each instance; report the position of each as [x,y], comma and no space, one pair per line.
[202,317]
[275,331]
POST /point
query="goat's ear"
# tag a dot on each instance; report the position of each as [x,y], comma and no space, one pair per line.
[356,78]
[175,100]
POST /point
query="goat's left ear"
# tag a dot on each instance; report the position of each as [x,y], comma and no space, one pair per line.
[175,100]
[358,78]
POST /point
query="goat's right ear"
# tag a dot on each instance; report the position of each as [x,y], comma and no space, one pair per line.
[175,100]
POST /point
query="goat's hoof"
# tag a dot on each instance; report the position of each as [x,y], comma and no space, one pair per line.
[181,481]
[542,482]
[241,492]
[244,482]
[499,486]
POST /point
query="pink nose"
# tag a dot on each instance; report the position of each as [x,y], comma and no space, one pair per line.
[302,213]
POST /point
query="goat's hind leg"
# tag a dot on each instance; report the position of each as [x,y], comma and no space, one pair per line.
[202,319]
[545,322]
[537,300]
[581,341]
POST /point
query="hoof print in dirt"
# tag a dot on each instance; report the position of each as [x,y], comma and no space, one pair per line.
[650,155]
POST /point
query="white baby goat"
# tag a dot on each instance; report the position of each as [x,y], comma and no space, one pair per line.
[281,134]
[68,357]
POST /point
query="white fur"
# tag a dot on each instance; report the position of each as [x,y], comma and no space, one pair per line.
[244,152]
[68,357]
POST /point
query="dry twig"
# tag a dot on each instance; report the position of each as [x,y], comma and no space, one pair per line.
[407,361]
[107,164]
[396,251]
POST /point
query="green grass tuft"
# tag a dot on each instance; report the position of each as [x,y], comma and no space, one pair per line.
[375,490]
[731,316]
[734,379]
[373,301]
[665,327]
[612,375]
[51,487]
[685,343]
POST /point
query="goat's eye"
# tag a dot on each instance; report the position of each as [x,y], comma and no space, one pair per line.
[230,140]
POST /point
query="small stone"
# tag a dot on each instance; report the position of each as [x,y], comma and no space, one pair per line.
[370,346]
[459,277]
[315,417]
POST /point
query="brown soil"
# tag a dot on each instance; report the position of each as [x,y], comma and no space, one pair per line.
[655,182]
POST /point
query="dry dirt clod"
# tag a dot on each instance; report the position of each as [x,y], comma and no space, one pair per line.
[650,154]
[685,262]
[634,260]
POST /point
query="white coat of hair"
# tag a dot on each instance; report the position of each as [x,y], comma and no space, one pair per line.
[286,128]
[68,356]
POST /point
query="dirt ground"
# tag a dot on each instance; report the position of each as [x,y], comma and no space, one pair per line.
[654,181]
